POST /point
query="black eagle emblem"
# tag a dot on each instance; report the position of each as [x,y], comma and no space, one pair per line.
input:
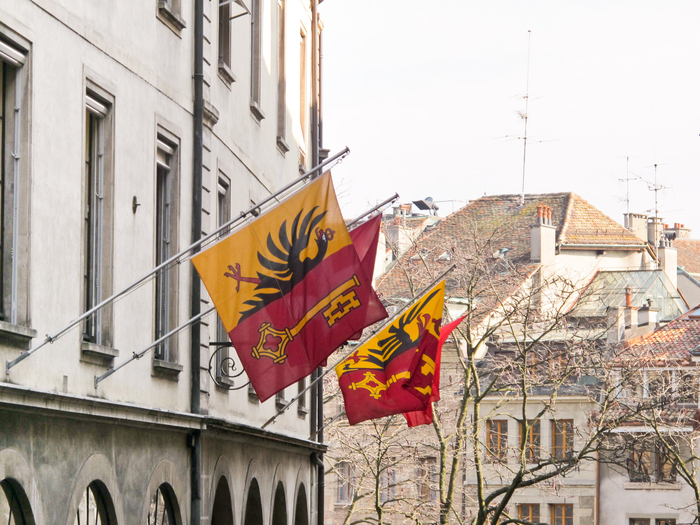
[399,341]
[285,266]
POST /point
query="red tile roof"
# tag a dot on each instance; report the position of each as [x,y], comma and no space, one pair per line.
[673,342]
[494,231]
[688,255]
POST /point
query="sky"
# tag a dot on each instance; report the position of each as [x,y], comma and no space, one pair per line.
[428,96]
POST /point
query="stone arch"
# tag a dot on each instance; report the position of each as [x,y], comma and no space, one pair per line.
[301,507]
[253,505]
[279,506]
[16,503]
[17,480]
[97,474]
[164,477]
[222,507]
[221,483]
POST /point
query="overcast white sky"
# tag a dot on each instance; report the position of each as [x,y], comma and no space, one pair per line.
[425,93]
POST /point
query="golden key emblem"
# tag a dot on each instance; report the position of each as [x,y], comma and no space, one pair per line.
[336,305]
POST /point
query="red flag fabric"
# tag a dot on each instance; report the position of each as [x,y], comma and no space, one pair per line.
[365,238]
[290,288]
[425,417]
[393,371]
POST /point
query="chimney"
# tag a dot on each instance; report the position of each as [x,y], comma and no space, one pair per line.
[655,230]
[668,260]
[543,236]
[616,325]
[637,224]
[648,315]
[679,231]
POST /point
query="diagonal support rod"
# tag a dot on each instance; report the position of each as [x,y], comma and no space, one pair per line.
[139,355]
[255,210]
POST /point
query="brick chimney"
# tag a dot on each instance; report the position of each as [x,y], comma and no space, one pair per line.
[543,236]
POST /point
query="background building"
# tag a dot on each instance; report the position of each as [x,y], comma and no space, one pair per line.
[130,129]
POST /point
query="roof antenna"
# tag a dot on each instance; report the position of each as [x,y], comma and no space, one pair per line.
[524,116]
[627,180]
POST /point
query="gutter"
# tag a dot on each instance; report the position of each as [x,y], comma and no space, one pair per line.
[194,441]
[619,247]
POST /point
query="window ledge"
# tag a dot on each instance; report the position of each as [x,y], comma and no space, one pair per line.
[226,75]
[280,404]
[227,381]
[98,354]
[302,411]
[252,396]
[16,336]
[256,111]
[170,17]
[637,485]
[166,369]
[282,145]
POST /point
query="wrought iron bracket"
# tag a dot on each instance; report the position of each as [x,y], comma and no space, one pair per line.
[228,376]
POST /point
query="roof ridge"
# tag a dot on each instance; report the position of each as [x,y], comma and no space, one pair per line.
[567,217]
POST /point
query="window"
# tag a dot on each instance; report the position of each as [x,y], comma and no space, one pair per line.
[281,78]
[529,512]
[532,441]
[169,14]
[562,438]
[223,215]
[346,479]
[665,521]
[98,204]
[639,521]
[650,463]
[497,439]
[14,506]
[14,187]
[95,507]
[562,514]
[303,95]
[256,58]
[166,246]
[387,485]
[301,402]
[161,510]
[280,401]
[225,43]
[427,479]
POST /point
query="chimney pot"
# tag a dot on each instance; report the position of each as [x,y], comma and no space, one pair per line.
[628,295]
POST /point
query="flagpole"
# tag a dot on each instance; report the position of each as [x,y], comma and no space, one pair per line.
[363,341]
[138,355]
[255,210]
[372,210]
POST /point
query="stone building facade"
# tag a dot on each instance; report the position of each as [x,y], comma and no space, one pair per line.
[130,129]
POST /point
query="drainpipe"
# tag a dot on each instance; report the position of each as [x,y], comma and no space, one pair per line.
[195,442]
[317,393]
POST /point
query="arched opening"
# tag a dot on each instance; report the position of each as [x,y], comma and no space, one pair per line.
[301,514]
[222,512]
[14,505]
[279,511]
[163,509]
[253,506]
[96,507]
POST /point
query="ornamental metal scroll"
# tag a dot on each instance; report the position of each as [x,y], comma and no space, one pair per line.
[226,373]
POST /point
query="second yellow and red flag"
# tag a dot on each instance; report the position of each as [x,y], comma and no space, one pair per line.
[393,372]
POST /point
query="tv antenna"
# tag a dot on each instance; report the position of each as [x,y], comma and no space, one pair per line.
[656,187]
[524,116]
[627,180]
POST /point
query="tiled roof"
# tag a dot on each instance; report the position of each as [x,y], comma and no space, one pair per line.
[673,342]
[496,230]
[688,255]
[585,224]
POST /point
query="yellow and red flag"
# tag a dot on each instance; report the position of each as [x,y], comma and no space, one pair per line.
[425,417]
[290,288]
[393,372]
[365,238]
